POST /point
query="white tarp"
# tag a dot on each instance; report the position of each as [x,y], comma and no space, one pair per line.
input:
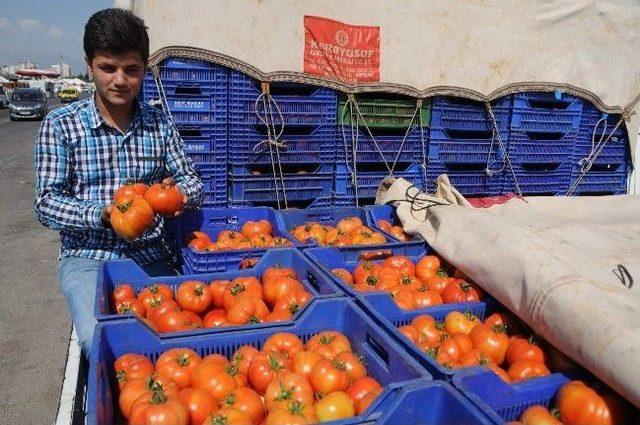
[481,49]
[564,265]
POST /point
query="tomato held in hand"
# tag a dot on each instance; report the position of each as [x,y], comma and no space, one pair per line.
[194,295]
[165,199]
[129,190]
[131,218]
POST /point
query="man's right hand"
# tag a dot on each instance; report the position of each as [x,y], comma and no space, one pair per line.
[105,216]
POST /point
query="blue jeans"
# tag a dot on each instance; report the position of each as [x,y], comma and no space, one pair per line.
[77,278]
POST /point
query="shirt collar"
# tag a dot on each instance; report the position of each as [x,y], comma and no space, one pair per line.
[139,114]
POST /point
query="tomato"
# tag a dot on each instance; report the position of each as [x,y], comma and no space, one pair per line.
[365,236]
[157,308]
[402,263]
[363,404]
[247,401]
[352,364]
[277,287]
[349,224]
[452,348]
[426,298]
[228,238]
[157,290]
[199,244]
[473,357]
[363,270]
[218,289]
[334,406]
[218,359]
[265,367]
[284,343]
[197,234]
[303,362]
[138,387]
[215,319]
[361,387]
[294,414]
[527,369]
[427,266]
[538,415]
[310,231]
[194,295]
[581,405]
[344,275]
[383,224]
[229,416]
[122,292]
[410,332]
[129,190]
[460,292]
[131,218]
[281,242]
[437,282]
[500,372]
[405,298]
[241,287]
[278,316]
[278,271]
[522,349]
[131,366]
[130,306]
[292,302]
[214,378]
[398,233]
[150,323]
[286,388]
[173,321]
[242,357]
[178,364]
[328,344]
[492,341]
[328,376]
[158,408]
[251,228]
[199,403]
[165,199]
[503,319]
[247,309]
[430,332]
[460,322]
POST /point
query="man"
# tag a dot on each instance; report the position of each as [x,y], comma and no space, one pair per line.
[86,150]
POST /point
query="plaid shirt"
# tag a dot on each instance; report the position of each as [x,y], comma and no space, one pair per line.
[80,161]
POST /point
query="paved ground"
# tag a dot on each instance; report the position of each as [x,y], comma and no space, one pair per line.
[34,323]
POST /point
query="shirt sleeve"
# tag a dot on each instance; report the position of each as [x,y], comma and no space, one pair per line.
[54,206]
[180,167]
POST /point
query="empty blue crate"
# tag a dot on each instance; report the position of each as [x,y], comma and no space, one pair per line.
[470,179]
[546,111]
[541,146]
[299,104]
[466,146]
[502,402]
[454,113]
[368,181]
[215,187]
[205,144]
[539,179]
[257,184]
[602,179]
[386,143]
[388,213]
[299,144]
[386,361]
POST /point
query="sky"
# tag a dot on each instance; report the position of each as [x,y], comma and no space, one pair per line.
[42,30]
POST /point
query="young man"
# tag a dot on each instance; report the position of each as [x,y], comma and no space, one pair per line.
[86,150]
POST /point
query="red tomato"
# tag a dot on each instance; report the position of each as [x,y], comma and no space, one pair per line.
[538,415]
[277,287]
[522,349]
[344,275]
[218,289]
[527,369]
[401,263]
[199,403]
[303,362]
[286,388]
[228,416]
[292,302]
[247,309]
[328,376]
[278,316]
[192,320]
[242,358]
[199,244]
[580,405]
[173,321]
[131,218]
[194,295]
[122,292]
[157,290]
[247,401]
[159,409]
[158,307]
[131,366]
[241,287]
[164,199]
[214,378]
[410,332]
[178,364]
[252,228]
[427,266]
[139,387]
[361,387]
[328,344]
[130,306]
[265,367]
[460,292]
[492,341]
[334,406]
[437,282]
[129,190]
[294,414]
[426,298]
[215,319]
[363,404]
[352,364]
[284,343]
[461,322]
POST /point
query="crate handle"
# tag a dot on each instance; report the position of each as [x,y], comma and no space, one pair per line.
[375,255]
[378,349]
[313,280]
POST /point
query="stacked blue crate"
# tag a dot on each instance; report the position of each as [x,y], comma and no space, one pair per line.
[306,116]
[542,136]
[462,144]
[197,97]
[609,173]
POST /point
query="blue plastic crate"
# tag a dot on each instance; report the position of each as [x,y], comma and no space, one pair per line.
[602,179]
[535,147]
[244,186]
[322,202]
[215,187]
[193,70]
[431,403]
[119,272]
[542,111]
[302,144]
[539,179]
[470,179]
[212,221]
[388,143]
[591,117]
[385,360]
[385,212]
[369,181]
[289,219]
[453,113]
[502,402]
[328,258]
[466,146]
[299,104]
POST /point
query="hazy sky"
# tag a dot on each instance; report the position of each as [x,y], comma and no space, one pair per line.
[42,30]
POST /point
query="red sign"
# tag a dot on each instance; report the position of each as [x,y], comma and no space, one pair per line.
[349,53]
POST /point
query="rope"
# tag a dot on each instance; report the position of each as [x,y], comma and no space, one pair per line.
[423,165]
[360,117]
[490,162]
[406,134]
[496,130]
[355,131]
[164,103]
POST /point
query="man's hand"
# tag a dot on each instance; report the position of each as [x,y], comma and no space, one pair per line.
[105,216]
[171,181]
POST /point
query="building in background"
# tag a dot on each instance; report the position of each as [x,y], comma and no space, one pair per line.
[63,68]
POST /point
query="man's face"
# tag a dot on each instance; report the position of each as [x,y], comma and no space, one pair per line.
[117,77]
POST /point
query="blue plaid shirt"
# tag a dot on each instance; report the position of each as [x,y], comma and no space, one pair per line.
[80,161]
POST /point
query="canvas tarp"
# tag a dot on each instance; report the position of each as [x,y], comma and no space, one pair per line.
[564,265]
[481,49]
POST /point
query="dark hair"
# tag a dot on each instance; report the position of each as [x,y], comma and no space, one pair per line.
[116,31]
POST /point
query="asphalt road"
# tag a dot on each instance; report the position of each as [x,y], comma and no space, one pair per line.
[34,323]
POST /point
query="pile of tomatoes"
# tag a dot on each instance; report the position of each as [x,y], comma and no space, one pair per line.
[275,297]
[463,340]
[578,404]
[395,231]
[412,286]
[348,231]
[286,382]
[252,234]
[135,205]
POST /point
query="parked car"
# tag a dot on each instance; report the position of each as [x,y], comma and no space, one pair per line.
[68,94]
[27,103]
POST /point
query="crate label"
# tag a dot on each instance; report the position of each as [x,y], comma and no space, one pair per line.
[349,53]
[188,104]
[196,147]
